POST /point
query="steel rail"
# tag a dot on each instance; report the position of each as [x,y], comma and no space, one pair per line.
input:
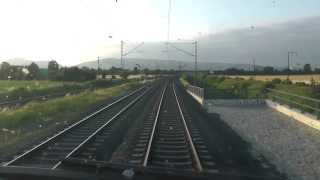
[101,128]
[145,161]
[193,149]
[70,127]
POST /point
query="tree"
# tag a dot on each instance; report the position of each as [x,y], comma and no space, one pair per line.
[135,69]
[124,75]
[77,74]
[268,70]
[33,69]
[16,73]
[4,70]
[307,68]
[53,70]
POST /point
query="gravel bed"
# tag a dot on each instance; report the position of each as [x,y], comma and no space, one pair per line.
[290,145]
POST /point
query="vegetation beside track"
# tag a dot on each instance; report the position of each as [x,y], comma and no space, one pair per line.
[224,87]
[7,86]
[284,92]
[37,117]
[311,78]
[16,90]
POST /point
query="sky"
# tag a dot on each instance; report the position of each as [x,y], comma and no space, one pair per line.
[74,31]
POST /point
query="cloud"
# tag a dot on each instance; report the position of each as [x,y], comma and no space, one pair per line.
[267,44]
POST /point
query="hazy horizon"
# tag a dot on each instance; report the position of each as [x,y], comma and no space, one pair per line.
[73,32]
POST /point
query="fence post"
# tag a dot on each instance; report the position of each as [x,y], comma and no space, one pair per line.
[318,111]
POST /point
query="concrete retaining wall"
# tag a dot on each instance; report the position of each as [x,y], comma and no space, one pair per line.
[234,101]
[197,98]
[305,118]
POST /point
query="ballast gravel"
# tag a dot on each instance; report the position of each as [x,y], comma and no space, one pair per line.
[293,147]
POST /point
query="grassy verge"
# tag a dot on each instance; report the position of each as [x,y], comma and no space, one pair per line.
[294,78]
[220,87]
[184,82]
[224,87]
[37,117]
[41,88]
[7,86]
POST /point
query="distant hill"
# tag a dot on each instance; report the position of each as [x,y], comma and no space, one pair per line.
[161,64]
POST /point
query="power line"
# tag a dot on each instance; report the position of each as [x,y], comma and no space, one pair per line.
[168,30]
[181,50]
[169,14]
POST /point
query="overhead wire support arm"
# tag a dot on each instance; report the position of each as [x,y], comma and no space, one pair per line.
[195,55]
[181,50]
[132,50]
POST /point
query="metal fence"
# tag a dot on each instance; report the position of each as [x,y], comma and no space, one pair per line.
[305,104]
[196,90]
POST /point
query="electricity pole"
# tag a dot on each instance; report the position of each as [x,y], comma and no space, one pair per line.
[121,55]
[289,54]
[254,65]
[168,30]
[193,54]
[98,64]
[196,59]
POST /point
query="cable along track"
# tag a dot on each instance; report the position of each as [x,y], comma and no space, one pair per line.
[52,151]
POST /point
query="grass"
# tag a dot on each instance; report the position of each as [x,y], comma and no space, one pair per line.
[294,78]
[184,82]
[305,91]
[7,86]
[35,116]
[14,90]
[221,87]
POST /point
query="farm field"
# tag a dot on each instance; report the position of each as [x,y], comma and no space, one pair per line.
[294,78]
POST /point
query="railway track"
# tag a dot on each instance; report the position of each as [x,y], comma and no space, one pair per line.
[164,138]
[169,140]
[50,153]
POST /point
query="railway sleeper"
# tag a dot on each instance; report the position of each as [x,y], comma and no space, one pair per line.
[181,165]
[172,143]
[175,158]
[170,151]
[184,146]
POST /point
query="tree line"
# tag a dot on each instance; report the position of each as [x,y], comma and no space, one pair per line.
[57,73]
[53,72]
[269,70]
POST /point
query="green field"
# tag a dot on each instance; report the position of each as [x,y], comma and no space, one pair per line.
[293,95]
[7,86]
[15,90]
[236,87]
[36,117]
[308,79]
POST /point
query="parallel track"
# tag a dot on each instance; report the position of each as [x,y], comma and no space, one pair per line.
[51,152]
[164,137]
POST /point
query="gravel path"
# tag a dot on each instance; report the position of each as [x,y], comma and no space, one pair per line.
[293,147]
